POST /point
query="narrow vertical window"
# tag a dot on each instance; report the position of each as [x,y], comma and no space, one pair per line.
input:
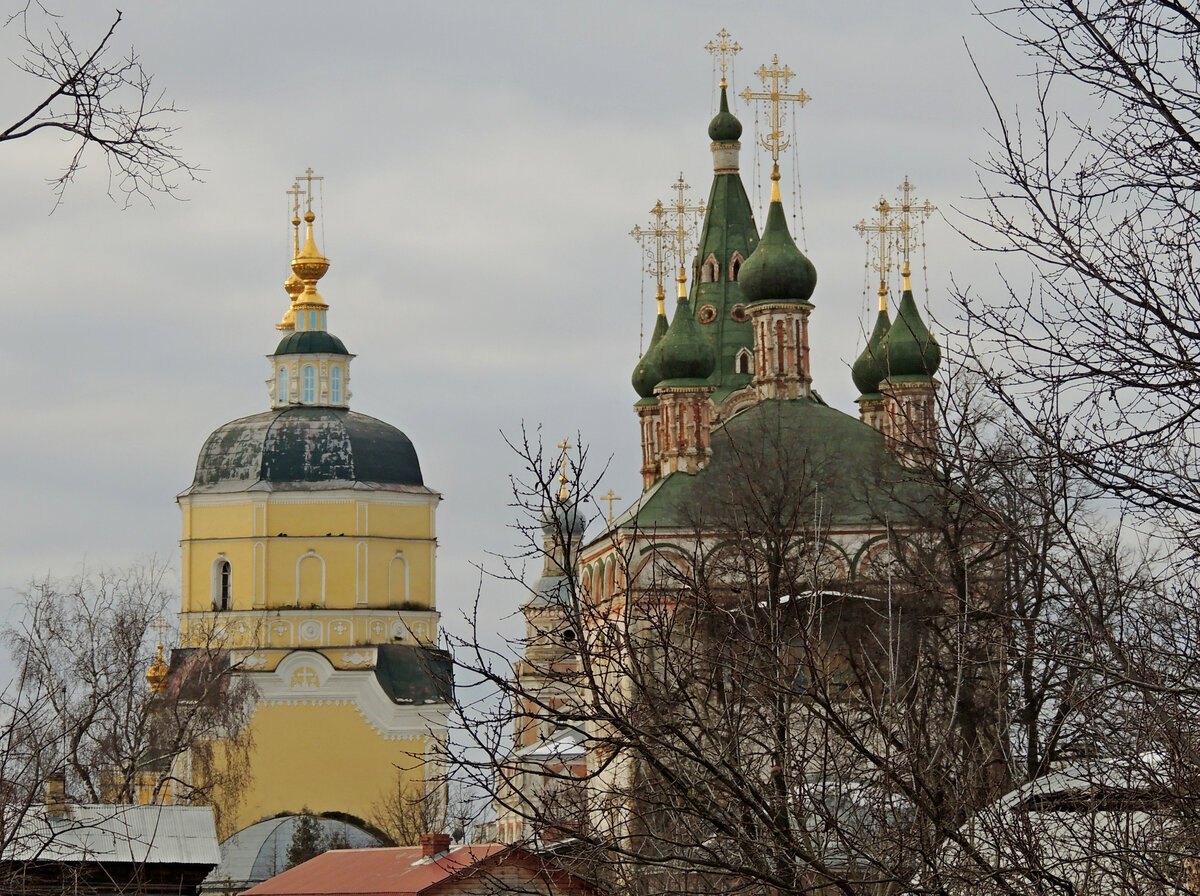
[281,385]
[335,384]
[309,377]
[224,595]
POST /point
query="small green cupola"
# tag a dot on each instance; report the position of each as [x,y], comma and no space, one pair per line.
[912,352]
[646,375]
[870,368]
[684,352]
[777,271]
[725,127]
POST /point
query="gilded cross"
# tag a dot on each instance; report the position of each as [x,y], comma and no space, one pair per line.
[727,50]
[685,220]
[611,498]
[562,476]
[879,235]
[775,96]
[653,239]
[295,192]
[909,209]
[161,628]
[309,177]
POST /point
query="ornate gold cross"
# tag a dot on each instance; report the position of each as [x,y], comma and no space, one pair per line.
[775,141]
[309,177]
[725,49]
[653,240]
[611,498]
[909,209]
[685,221]
[562,476]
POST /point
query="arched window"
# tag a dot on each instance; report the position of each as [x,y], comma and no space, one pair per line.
[711,272]
[222,584]
[735,265]
[335,384]
[309,380]
[743,361]
[281,385]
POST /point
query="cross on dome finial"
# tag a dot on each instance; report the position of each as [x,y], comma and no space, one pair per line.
[685,221]
[725,49]
[562,475]
[775,95]
[880,238]
[293,285]
[912,215]
[309,177]
[654,239]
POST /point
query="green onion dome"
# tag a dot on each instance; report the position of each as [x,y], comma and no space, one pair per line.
[725,127]
[912,352]
[868,371]
[646,375]
[685,353]
[776,270]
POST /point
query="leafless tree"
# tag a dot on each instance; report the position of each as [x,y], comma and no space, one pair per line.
[1094,184]
[97,101]
[754,719]
[81,709]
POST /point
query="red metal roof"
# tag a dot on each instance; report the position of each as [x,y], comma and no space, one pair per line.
[395,871]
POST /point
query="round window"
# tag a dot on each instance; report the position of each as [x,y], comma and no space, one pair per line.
[707,314]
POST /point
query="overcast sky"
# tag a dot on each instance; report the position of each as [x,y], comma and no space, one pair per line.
[483,164]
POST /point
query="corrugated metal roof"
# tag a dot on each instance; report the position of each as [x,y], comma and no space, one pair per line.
[181,835]
[372,872]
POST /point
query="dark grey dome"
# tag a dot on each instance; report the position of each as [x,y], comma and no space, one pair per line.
[308,342]
[303,447]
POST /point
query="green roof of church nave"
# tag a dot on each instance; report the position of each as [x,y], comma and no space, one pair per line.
[832,459]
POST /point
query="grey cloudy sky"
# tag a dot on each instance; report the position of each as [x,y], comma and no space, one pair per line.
[483,165]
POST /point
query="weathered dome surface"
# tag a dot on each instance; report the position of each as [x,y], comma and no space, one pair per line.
[563,519]
[725,127]
[309,342]
[912,351]
[685,353]
[776,270]
[305,448]
[646,375]
[869,369]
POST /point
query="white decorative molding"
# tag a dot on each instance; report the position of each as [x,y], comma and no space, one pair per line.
[358,658]
[360,689]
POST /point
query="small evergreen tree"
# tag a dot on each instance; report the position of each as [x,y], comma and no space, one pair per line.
[307,840]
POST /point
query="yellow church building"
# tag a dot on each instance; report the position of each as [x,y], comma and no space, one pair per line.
[309,558]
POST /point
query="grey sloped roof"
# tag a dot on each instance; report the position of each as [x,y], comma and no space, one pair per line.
[104,833]
[306,447]
[414,675]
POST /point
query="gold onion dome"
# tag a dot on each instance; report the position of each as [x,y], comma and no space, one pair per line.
[776,270]
[156,675]
[310,265]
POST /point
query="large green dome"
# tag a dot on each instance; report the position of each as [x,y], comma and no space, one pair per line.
[776,270]
[306,448]
[685,353]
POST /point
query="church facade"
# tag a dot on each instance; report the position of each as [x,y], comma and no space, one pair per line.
[309,565]
[759,500]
